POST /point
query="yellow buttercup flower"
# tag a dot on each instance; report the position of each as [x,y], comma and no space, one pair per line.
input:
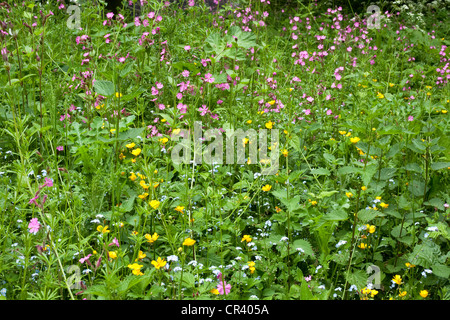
[112,254]
[136,152]
[349,194]
[247,238]
[363,188]
[103,229]
[179,209]
[118,95]
[409,265]
[397,279]
[285,152]
[271,102]
[163,140]
[269,125]
[402,293]
[159,263]
[362,245]
[384,205]
[154,204]
[188,242]
[151,239]
[130,145]
[249,121]
[380,95]
[267,187]
[141,255]
[423,293]
[354,139]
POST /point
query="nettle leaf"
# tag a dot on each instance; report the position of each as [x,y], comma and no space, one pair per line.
[303,246]
[320,171]
[439,165]
[104,88]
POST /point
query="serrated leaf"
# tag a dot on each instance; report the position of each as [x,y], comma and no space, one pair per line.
[439,165]
[104,88]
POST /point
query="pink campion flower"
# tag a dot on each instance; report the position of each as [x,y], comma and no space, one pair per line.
[83,260]
[410,118]
[154,91]
[137,22]
[33,200]
[203,109]
[182,108]
[34,226]
[122,59]
[161,106]
[60,148]
[308,278]
[159,85]
[185,73]
[219,101]
[48,182]
[209,78]
[329,112]
[114,242]
[191,3]
[307,111]
[151,15]
[187,48]
[179,96]
[349,49]
[110,15]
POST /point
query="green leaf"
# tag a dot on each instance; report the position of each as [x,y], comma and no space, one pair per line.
[320,171]
[303,245]
[441,270]
[439,165]
[104,88]
[336,215]
[348,169]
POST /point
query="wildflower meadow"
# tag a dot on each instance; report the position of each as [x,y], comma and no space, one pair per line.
[224,150]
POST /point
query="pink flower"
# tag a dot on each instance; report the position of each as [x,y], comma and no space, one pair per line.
[308,278]
[34,225]
[209,78]
[187,48]
[82,260]
[329,112]
[48,182]
[60,148]
[223,285]
[185,73]
[33,200]
[203,109]
[307,111]
[110,15]
[114,242]
[410,118]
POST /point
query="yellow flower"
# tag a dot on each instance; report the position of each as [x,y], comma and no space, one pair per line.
[94,252]
[267,187]
[112,130]
[118,94]
[362,245]
[214,291]
[151,239]
[444,111]
[245,141]
[349,194]
[314,202]
[342,132]
[102,229]
[373,293]
[176,131]
[363,188]
[188,242]
[380,95]
[290,89]
[409,265]
[378,198]
[397,279]
[154,204]
[136,152]
[143,185]
[163,140]
[179,209]
[249,121]
[163,120]
[384,205]
[141,255]
[285,152]
[423,293]
[370,229]
[159,263]
[251,265]
[247,238]
[269,125]
[135,266]
[143,196]
[271,102]
[277,209]
[130,145]
[112,254]
[391,84]
[134,233]
[402,293]
[354,139]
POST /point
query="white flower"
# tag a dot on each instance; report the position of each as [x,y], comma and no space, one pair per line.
[433,229]
[340,243]
[192,263]
[172,258]
[176,269]
[284,239]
